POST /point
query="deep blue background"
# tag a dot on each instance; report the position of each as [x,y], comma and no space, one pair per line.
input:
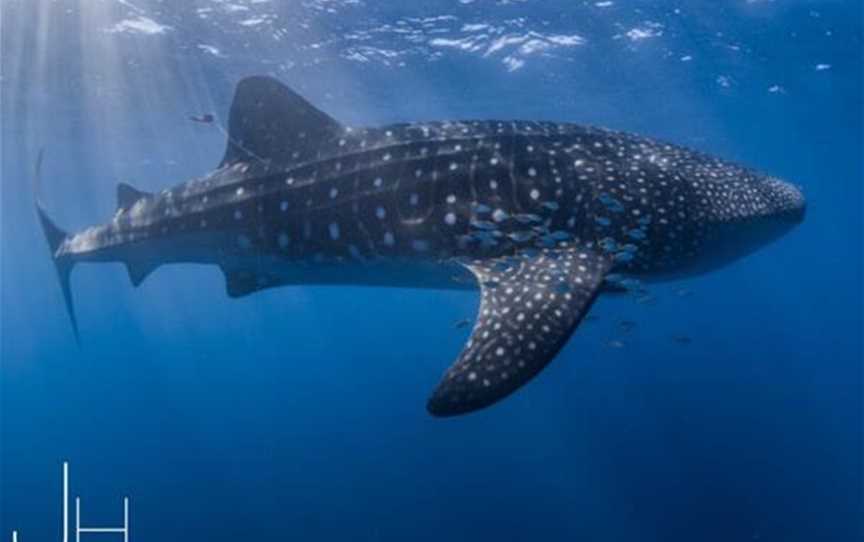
[298,413]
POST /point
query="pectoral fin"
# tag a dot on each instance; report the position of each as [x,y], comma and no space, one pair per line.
[529,306]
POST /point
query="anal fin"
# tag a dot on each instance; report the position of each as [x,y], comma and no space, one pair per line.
[529,307]
[139,271]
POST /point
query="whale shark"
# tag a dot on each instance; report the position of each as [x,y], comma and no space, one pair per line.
[542,217]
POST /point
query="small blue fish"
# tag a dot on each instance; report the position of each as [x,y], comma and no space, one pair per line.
[610,203]
[521,236]
[632,284]
[546,241]
[626,326]
[483,236]
[461,324]
[483,225]
[608,244]
[683,292]
[528,218]
[500,216]
[615,278]
[646,299]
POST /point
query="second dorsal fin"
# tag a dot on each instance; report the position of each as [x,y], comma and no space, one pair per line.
[127,195]
[271,123]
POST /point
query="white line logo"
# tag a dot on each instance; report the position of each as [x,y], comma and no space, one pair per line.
[79,530]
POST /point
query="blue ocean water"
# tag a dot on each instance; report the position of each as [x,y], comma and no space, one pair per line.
[725,407]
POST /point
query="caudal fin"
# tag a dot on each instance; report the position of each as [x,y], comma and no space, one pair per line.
[55,237]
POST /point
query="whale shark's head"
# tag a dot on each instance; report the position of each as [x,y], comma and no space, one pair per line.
[762,207]
[745,214]
[784,201]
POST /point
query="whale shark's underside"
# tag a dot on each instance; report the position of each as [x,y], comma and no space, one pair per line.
[540,216]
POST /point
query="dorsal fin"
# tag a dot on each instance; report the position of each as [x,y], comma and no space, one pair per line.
[271,123]
[127,195]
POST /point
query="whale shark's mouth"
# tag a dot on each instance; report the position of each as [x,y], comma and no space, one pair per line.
[784,199]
